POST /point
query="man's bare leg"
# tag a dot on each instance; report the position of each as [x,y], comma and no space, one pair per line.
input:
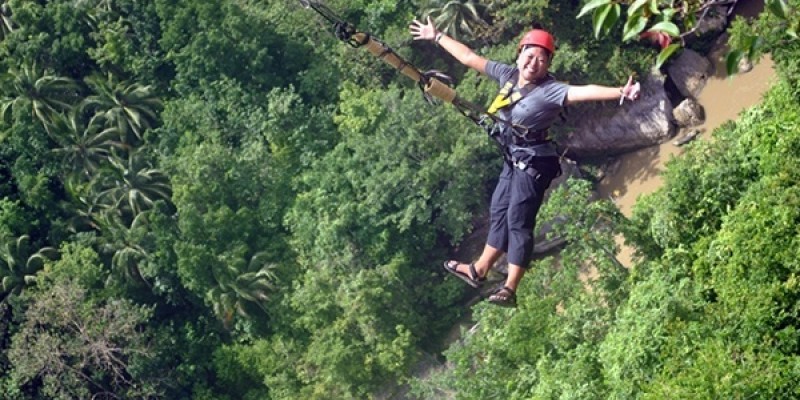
[484,263]
[506,296]
[515,274]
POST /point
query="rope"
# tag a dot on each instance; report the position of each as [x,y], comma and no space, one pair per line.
[434,84]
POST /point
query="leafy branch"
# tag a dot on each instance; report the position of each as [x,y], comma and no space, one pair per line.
[661,24]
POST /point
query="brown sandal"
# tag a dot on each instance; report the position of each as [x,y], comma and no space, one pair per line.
[472,279]
[504,297]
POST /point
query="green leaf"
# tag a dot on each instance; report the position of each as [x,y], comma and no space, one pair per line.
[778,7]
[633,26]
[732,61]
[592,5]
[690,21]
[748,42]
[599,19]
[750,45]
[636,6]
[654,7]
[666,27]
[751,52]
[666,53]
[612,18]
[667,14]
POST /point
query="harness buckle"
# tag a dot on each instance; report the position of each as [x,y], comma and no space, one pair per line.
[527,137]
[525,167]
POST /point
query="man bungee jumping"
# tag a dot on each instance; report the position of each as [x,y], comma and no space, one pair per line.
[528,103]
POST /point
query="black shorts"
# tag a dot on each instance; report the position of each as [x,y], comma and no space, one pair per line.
[515,203]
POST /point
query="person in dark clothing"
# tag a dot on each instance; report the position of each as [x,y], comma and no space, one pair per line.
[527,105]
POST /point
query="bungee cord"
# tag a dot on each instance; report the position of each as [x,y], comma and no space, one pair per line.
[434,84]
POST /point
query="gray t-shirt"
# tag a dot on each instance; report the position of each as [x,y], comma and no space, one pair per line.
[539,108]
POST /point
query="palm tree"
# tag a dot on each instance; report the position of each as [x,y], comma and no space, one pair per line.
[132,186]
[129,107]
[85,207]
[121,243]
[102,5]
[31,87]
[455,17]
[84,146]
[239,292]
[18,266]
[6,24]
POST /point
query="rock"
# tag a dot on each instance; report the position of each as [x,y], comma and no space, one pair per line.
[711,23]
[569,168]
[717,54]
[687,138]
[745,65]
[610,129]
[611,168]
[689,71]
[689,113]
[715,21]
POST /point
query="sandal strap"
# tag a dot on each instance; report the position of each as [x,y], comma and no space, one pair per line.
[504,296]
[509,292]
[473,274]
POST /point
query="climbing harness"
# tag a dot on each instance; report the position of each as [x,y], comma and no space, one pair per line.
[507,97]
[521,145]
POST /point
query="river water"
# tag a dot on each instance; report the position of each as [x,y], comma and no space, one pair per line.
[723,99]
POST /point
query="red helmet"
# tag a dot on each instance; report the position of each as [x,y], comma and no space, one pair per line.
[538,37]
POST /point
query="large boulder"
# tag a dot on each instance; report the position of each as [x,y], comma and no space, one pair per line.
[711,22]
[714,20]
[689,113]
[689,71]
[610,129]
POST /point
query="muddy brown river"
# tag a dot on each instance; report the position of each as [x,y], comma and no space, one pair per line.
[723,98]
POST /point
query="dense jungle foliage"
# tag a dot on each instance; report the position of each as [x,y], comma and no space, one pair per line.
[219,200]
